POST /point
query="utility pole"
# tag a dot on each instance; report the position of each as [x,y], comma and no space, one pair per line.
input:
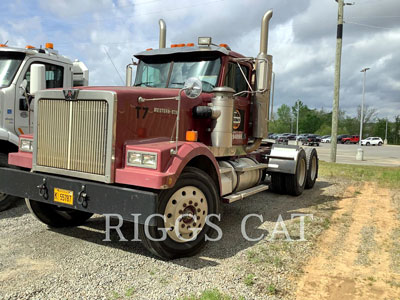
[335,107]
[386,141]
[362,104]
[298,109]
[297,125]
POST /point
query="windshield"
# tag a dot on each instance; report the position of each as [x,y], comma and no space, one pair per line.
[9,64]
[174,74]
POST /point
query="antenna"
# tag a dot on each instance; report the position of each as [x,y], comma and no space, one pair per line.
[105,50]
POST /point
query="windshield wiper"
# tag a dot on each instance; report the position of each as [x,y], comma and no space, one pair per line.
[145,83]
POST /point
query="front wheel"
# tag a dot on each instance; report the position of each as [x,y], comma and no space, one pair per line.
[380,144]
[185,208]
[55,216]
[5,200]
[368,144]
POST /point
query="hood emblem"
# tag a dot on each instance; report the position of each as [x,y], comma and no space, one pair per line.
[70,95]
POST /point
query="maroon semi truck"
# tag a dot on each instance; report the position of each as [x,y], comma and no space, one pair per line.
[163,152]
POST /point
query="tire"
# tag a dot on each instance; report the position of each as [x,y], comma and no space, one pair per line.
[380,144]
[5,200]
[367,144]
[295,183]
[194,191]
[277,183]
[347,142]
[317,144]
[55,216]
[312,167]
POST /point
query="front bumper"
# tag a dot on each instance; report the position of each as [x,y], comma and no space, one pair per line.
[88,196]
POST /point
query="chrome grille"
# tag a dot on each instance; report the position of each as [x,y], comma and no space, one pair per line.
[72,135]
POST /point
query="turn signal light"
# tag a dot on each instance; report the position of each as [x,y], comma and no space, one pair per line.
[49,45]
[191,136]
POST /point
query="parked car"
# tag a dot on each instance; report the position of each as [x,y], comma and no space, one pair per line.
[311,140]
[326,139]
[301,136]
[354,139]
[372,141]
[282,139]
[342,136]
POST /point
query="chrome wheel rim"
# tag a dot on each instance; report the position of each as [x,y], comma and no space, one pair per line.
[185,214]
[301,174]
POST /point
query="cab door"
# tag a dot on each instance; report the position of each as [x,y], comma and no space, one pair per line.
[54,79]
[235,77]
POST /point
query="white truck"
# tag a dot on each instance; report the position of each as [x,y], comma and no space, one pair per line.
[16,114]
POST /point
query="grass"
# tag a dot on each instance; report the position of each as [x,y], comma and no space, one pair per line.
[384,176]
[129,292]
[249,280]
[208,295]
[271,290]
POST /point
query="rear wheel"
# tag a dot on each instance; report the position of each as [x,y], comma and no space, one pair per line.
[185,208]
[55,216]
[295,183]
[312,167]
[380,144]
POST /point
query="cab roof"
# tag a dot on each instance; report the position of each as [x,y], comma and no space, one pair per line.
[211,50]
[39,52]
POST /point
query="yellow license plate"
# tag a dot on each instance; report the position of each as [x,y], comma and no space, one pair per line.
[64,196]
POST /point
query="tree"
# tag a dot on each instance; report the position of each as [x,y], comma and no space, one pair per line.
[282,122]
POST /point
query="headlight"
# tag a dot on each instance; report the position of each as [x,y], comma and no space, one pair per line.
[26,145]
[142,159]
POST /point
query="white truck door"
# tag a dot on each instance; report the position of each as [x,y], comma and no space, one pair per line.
[55,78]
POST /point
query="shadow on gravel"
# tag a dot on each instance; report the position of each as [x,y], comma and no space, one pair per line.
[269,205]
[17,209]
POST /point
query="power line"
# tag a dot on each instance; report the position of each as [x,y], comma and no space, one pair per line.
[370,26]
[105,50]
[373,17]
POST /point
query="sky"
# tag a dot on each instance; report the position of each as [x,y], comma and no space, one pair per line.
[302,40]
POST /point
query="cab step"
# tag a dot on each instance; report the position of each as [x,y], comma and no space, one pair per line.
[245,193]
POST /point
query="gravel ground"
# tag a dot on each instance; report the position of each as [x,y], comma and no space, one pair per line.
[41,263]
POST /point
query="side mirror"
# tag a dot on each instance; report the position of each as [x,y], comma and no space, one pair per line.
[193,88]
[38,79]
[23,85]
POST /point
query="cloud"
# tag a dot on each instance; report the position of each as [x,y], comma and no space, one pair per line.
[302,40]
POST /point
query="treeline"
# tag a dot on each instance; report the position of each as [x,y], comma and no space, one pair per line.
[320,121]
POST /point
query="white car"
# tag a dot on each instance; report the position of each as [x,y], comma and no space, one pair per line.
[326,140]
[372,141]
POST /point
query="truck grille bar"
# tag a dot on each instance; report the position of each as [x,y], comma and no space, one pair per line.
[72,135]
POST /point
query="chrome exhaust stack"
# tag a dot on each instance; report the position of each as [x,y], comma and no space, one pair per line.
[163,33]
[263,84]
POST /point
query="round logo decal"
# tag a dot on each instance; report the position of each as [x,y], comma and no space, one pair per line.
[237,119]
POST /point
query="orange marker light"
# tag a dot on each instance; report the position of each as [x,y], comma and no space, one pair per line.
[191,136]
[148,49]
[173,45]
[29,47]
[49,45]
[190,44]
[3,45]
[181,45]
[224,45]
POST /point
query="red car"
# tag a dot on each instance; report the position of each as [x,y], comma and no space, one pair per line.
[354,139]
